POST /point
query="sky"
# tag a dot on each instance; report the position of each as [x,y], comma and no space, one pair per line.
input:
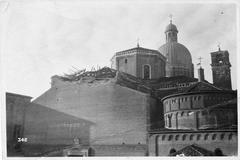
[40,39]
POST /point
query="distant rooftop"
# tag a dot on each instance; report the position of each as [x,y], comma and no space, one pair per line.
[17,95]
[196,88]
[139,50]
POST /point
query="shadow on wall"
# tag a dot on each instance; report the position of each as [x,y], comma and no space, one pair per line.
[47,129]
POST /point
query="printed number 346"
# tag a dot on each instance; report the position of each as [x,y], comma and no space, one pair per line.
[22,139]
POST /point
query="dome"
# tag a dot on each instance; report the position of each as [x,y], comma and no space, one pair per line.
[171,27]
[179,60]
[176,54]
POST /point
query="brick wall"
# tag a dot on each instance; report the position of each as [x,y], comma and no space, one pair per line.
[161,144]
[182,111]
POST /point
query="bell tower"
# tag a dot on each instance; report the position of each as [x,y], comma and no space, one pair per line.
[221,69]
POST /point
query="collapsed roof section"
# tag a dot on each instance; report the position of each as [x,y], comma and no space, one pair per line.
[104,72]
[155,87]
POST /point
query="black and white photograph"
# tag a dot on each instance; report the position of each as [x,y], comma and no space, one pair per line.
[119,78]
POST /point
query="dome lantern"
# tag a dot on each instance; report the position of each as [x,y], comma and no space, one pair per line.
[171,32]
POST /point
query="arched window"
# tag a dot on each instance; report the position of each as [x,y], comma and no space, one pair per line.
[198,137]
[230,136]
[176,137]
[146,72]
[169,34]
[206,137]
[91,152]
[184,137]
[125,60]
[170,137]
[222,136]
[214,136]
[177,115]
[191,137]
[163,137]
[169,120]
[182,113]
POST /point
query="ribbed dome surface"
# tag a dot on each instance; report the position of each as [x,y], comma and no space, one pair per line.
[176,54]
[171,27]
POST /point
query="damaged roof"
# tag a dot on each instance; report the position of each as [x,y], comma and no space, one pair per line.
[122,78]
[104,72]
[158,87]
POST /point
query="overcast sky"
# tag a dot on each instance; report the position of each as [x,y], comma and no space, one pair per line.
[42,39]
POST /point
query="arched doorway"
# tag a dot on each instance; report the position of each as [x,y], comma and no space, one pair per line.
[172,150]
[218,152]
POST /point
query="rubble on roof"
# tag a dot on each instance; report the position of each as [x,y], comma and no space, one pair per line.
[130,81]
[104,72]
[122,78]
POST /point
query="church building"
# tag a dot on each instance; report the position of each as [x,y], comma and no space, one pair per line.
[147,104]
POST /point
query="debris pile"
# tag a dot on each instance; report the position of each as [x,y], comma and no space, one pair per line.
[122,78]
[104,72]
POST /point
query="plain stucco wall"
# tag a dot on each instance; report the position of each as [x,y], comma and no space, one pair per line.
[117,114]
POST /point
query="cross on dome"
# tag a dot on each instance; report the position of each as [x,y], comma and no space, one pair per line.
[200,62]
[138,42]
[170,16]
[219,46]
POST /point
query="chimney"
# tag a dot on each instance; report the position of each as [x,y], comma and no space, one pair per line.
[200,74]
